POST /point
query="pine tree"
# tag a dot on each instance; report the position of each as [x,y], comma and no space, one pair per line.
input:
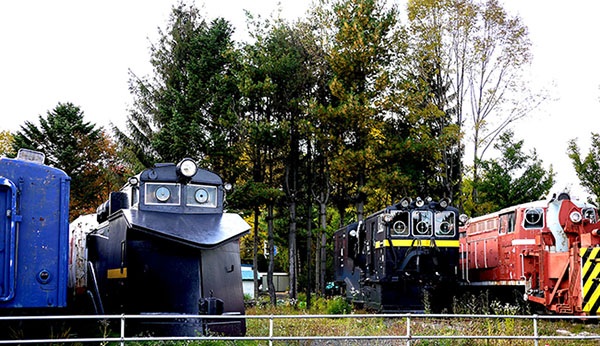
[188,108]
[75,146]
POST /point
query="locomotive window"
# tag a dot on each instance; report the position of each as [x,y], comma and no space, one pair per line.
[533,218]
[201,196]
[399,224]
[134,195]
[422,223]
[162,194]
[589,214]
[511,222]
[444,224]
[507,223]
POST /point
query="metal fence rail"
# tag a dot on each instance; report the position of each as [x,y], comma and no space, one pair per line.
[408,337]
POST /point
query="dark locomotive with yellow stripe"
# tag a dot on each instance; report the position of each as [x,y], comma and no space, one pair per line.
[400,258]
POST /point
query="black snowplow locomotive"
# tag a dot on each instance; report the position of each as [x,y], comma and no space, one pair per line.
[164,245]
[398,258]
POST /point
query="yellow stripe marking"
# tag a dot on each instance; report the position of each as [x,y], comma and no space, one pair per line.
[590,265]
[418,242]
[592,300]
[590,281]
[117,273]
[589,261]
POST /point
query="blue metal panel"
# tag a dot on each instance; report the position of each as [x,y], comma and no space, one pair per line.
[41,254]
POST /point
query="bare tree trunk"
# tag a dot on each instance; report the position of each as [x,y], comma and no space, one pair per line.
[322,248]
[255,254]
[309,227]
[360,203]
[475,175]
[271,255]
[292,249]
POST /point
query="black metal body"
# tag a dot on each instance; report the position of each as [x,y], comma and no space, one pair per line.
[179,257]
[389,270]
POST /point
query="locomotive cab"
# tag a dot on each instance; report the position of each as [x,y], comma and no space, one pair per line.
[164,245]
[549,249]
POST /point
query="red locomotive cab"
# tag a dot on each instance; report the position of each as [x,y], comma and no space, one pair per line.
[550,249]
[493,245]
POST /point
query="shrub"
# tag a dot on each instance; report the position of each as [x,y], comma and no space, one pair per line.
[338,306]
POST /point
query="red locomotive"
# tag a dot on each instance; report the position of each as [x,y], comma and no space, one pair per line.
[551,249]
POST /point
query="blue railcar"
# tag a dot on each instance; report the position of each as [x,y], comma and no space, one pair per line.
[34,233]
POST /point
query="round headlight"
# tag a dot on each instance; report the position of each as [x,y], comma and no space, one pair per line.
[575,217]
[388,217]
[463,218]
[162,194]
[422,228]
[227,187]
[533,216]
[188,168]
[399,228]
[444,203]
[445,228]
[405,202]
[419,202]
[133,181]
[201,196]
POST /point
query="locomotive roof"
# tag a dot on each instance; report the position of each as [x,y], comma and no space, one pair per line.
[31,166]
[168,172]
[535,204]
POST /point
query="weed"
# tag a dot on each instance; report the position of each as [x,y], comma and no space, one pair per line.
[338,306]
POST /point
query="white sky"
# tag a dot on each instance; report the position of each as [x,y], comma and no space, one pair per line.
[80,52]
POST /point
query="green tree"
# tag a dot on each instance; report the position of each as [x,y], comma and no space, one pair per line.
[69,144]
[514,178]
[6,143]
[364,38]
[188,107]
[264,136]
[288,70]
[588,166]
[478,54]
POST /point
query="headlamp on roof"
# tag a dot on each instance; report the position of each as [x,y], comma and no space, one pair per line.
[187,168]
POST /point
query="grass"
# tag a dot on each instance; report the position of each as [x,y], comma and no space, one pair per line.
[397,326]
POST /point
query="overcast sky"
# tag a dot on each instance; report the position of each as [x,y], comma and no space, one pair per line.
[81,51]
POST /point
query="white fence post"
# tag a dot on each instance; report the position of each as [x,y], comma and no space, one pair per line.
[408,330]
[122,329]
[271,330]
[535,330]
